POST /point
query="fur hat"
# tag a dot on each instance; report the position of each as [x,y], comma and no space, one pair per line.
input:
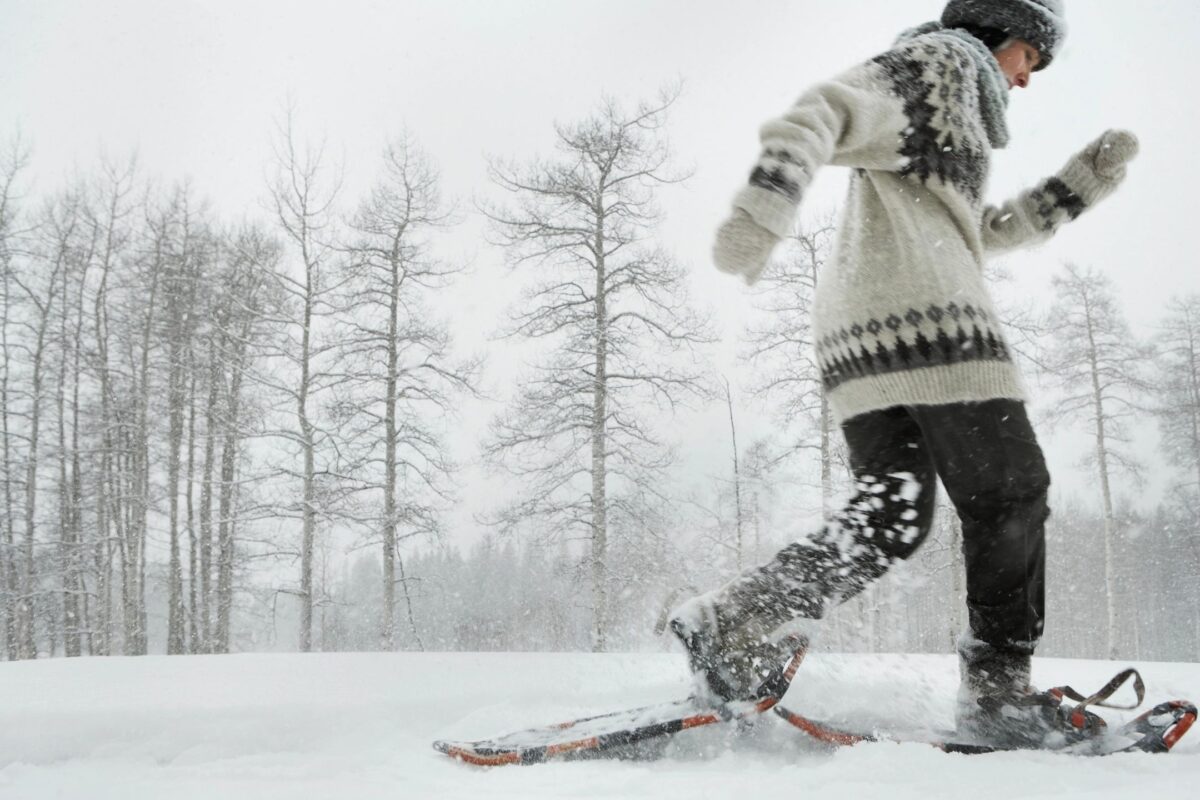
[1039,22]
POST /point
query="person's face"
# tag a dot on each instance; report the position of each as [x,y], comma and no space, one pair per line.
[1017,60]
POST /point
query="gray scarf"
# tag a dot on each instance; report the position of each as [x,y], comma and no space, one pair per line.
[993,86]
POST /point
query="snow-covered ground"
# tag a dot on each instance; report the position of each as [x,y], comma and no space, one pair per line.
[359,726]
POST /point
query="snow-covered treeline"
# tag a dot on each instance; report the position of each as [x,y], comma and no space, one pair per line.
[223,433]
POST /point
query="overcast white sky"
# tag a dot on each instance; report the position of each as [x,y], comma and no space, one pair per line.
[194,87]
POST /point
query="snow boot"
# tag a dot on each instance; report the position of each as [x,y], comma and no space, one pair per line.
[998,707]
[731,653]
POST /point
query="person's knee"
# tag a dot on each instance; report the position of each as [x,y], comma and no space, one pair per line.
[895,510]
[1032,483]
[1014,490]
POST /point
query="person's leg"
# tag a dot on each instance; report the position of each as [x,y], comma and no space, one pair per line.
[993,469]
[731,633]
[884,521]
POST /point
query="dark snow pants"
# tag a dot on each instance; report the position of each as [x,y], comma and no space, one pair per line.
[988,458]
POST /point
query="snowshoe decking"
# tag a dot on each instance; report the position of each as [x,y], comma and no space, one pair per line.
[632,733]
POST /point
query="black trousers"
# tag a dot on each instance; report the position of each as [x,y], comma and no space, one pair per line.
[988,458]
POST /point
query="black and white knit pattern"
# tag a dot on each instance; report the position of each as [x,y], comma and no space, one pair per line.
[936,336]
[938,100]
[1055,199]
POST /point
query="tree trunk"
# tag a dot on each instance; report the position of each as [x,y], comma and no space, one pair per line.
[408,605]
[226,527]
[103,555]
[27,637]
[67,507]
[176,635]
[135,553]
[206,499]
[599,553]
[225,533]
[8,565]
[123,508]
[1110,582]
[195,637]
[1194,384]
[737,480]
[83,622]
[387,636]
[308,525]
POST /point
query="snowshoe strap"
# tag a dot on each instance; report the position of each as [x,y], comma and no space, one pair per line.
[1100,697]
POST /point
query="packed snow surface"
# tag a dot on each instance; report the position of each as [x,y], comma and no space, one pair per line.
[359,726]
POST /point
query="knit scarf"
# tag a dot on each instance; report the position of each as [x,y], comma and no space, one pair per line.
[993,86]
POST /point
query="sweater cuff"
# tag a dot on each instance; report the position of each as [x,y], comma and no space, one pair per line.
[1085,183]
[768,209]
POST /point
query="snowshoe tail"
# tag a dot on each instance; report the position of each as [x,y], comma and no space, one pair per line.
[1156,731]
[629,734]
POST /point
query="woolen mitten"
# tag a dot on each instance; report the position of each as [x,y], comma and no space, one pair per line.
[1111,152]
[1094,172]
[743,247]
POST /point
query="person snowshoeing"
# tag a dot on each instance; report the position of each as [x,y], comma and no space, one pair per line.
[912,354]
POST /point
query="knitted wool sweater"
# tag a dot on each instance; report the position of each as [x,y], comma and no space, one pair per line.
[902,315]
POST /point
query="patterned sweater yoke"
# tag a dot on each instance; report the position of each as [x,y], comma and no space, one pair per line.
[902,314]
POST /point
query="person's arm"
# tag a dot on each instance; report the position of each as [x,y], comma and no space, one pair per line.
[850,121]
[1036,214]
[855,120]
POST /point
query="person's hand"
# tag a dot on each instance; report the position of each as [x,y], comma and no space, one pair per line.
[743,247]
[1109,154]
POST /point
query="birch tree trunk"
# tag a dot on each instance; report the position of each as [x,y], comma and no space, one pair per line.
[195,632]
[211,434]
[179,297]
[1110,524]
[225,524]
[8,564]
[599,500]
[738,516]
[70,492]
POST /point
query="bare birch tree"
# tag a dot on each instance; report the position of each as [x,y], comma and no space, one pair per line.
[140,342]
[1102,369]
[613,309]
[399,378]
[302,197]
[42,284]
[1179,383]
[249,321]
[190,246]
[74,605]
[1178,409]
[110,212]
[13,161]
